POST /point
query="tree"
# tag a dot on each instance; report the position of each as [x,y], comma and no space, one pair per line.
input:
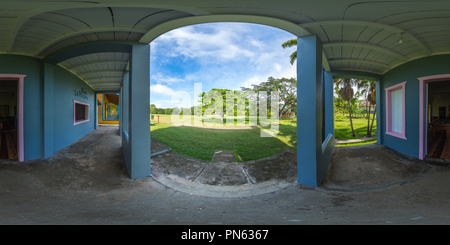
[214,101]
[346,92]
[372,99]
[288,44]
[152,109]
[286,88]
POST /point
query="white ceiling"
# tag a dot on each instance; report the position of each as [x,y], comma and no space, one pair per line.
[357,35]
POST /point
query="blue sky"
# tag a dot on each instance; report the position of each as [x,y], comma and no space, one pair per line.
[217,55]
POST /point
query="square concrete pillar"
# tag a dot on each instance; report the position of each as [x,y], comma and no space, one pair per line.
[138,113]
[315,144]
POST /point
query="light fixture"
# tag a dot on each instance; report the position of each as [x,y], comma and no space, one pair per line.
[401,37]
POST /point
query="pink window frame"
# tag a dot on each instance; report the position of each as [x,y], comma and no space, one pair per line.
[20,134]
[74,111]
[389,131]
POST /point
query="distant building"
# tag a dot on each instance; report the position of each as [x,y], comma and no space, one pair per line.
[363,106]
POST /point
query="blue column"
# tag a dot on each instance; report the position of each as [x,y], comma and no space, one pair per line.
[125,119]
[378,115]
[120,109]
[139,111]
[48,79]
[96,111]
[313,154]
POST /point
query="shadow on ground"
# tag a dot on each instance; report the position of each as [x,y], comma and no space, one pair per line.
[371,166]
[96,163]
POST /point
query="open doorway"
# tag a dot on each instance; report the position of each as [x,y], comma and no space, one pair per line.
[438,120]
[108,109]
[8,119]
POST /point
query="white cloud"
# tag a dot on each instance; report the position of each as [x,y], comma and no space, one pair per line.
[218,55]
[277,66]
[256,79]
[161,89]
[221,42]
[165,79]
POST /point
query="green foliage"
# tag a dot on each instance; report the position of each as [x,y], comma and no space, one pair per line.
[287,93]
[343,131]
[288,44]
[200,143]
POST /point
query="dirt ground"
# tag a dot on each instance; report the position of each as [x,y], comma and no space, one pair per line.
[87,183]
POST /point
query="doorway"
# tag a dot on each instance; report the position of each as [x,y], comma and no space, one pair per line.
[8,120]
[438,133]
[11,116]
[432,119]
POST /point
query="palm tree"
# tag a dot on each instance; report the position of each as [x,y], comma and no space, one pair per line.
[346,92]
[288,44]
[372,99]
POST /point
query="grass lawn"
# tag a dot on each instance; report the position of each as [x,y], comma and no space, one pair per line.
[343,131]
[201,143]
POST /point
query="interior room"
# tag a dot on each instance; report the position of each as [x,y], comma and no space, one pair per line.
[438,118]
[8,119]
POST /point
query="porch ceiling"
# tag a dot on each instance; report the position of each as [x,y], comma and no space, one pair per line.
[357,35]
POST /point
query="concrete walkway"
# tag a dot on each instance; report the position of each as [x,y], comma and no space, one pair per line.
[356,140]
[87,183]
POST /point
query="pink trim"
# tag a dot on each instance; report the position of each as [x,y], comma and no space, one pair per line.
[388,90]
[422,108]
[79,122]
[20,85]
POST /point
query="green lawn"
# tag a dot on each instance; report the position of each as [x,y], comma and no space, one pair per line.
[201,143]
[247,144]
[343,131]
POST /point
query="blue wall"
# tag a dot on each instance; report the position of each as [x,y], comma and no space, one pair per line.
[65,85]
[434,65]
[65,133]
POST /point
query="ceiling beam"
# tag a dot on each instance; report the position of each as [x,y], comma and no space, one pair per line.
[104,62]
[325,62]
[181,22]
[368,62]
[102,71]
[105,84]
[23,18]
[102,79]
[371,24]
[49,44]
[356,69]
[366,45]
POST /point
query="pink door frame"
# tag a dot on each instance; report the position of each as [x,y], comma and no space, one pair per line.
[422,109]
[20,83]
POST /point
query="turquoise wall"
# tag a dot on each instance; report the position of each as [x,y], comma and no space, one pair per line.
[14,64]
[64,132]
[434,65]
[65,84]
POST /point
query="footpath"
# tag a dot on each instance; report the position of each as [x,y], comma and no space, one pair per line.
[355,140]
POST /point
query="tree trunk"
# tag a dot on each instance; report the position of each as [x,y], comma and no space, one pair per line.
[350,114]
[368,119]
[373,117]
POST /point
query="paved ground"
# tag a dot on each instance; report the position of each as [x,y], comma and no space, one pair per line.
[86,183]
[356,140]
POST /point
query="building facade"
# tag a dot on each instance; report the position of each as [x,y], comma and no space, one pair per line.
[62,55]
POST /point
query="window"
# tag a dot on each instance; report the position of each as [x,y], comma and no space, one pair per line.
[395,110]
[80,112]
